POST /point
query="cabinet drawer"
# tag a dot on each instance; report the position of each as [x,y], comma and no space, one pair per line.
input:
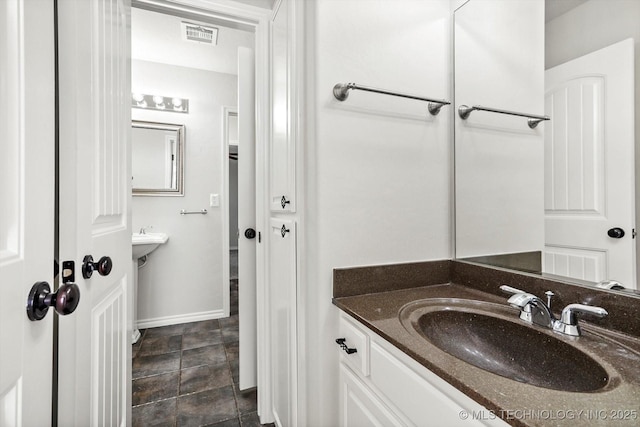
[415,397]
[355,338]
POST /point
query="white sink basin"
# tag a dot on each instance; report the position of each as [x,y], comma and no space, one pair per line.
[144,244]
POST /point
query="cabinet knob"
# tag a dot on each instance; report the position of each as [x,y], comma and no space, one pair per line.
[284,202]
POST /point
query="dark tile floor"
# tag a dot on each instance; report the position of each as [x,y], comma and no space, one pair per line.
[187,375]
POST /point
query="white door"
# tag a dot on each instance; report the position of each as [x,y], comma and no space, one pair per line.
[247,220]
[26,207]
[95,187]
[589,166]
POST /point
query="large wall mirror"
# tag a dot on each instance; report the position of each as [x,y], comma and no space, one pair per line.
[559,199]
[157,159]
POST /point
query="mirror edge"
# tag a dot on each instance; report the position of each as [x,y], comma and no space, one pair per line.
[180,132]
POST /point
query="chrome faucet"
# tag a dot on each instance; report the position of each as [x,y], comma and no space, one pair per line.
[535,310]
[143,230]
[532,309]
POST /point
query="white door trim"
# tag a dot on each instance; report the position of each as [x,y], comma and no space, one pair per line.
[226,200]
[233,13]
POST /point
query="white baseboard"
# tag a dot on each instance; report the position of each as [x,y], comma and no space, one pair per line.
[179,319]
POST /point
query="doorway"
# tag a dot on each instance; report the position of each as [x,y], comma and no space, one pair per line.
[218,265]
[231,138]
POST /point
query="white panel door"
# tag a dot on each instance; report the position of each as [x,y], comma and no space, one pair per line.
[282,303]
[95,192]
[26,207]
[589,166]
[247,220]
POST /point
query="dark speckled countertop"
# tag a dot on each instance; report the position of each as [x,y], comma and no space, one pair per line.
[518,403]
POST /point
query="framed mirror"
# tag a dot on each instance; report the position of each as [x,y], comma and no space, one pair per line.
[157,159]
[538,200]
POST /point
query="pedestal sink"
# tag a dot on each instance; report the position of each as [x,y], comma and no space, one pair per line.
[142,244]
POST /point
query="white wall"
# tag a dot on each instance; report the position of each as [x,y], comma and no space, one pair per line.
[606,22]
[183,278]
[157,37]
[377,167]
[499,62]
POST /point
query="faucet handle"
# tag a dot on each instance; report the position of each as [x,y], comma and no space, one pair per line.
[610,284]
[510,290]
[568,323]
[521,300]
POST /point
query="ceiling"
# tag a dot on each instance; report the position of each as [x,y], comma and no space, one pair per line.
[157,37]
[265,4]
[555,8]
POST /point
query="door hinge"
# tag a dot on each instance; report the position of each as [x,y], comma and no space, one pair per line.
[633,233]
[259,237]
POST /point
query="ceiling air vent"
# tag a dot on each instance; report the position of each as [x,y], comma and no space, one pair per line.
[199,33]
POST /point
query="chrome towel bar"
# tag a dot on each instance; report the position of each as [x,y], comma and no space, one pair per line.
[533,121]
[341,92]
[185,212]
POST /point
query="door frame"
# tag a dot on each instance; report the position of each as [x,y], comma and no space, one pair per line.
[238,15]
[226,200]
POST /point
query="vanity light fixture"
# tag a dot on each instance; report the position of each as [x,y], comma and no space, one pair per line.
[138,100]
[159,102]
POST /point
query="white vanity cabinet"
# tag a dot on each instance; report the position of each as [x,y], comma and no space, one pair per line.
[382,386]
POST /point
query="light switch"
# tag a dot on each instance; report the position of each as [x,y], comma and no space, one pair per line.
[214,200]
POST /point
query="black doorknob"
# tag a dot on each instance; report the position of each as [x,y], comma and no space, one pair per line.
[103,266]
[64,301]
[249,233]
[616,233]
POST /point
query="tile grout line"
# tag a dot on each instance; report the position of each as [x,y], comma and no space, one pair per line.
[227,364]
[175,418]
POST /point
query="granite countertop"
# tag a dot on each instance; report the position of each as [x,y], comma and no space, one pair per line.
[518,403]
